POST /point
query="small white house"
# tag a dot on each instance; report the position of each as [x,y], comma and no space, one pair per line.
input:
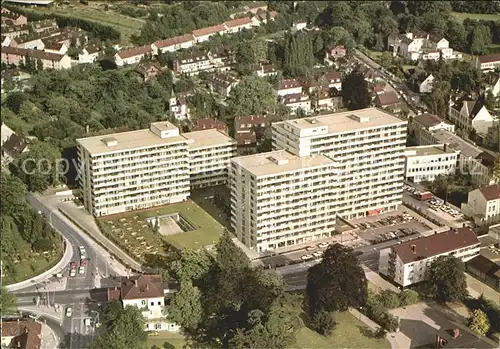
[483,205]
[288,87]
[296,102]
[426,84]
[132,55]
[298,25]
[471,114]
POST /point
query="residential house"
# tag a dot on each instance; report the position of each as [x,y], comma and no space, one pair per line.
[146,292]
[192,63]
[203,34]
[485,270]
[423,46]
[296,102]
[334,79]
[426,162]
[244,129]
[483,205]
[21,334]
[327,99]
[5,133]
[389,101]
[487,62]
[179,107]
[426,83]
[262,16]
[333,53]
[223,83]
[298,26]
[12,18]
[173,44]
[470,114]
[133,55]
[12,148]
[238,24]
[148,70]
[264,70]
[32,42]
[209,123]
[421,127]
[55,47]
[406,263]
[43,25]
[16,56]
[493,84]
[89,54]
[288,86]
[223,58]
[10,32]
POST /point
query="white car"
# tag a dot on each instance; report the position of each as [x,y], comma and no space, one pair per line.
[323,244]
[72,272]
[81,270]
[317,254]
[69,312]
[310,248]
[307,257]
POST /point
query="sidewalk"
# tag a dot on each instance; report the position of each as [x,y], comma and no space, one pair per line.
[476,288]
[86,222]
[378,280]
[68,253]
[49,338]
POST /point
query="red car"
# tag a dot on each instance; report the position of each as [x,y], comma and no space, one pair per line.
[83,263]
[72,265]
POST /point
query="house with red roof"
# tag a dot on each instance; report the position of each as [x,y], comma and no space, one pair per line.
[173,44]
[132,55]
[487,62]
[235,25]
[288,86]
[407,262]
[21,334]
[483,205]
[389,101]
[203,34]
[332,53]
[49,60]
[146,292]
[244,129]
[209,123]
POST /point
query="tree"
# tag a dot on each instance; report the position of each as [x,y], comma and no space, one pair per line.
[489,100]
[298,55]
[8,302]
[389,299]
[408,297]
[124,328]
[13,195]
[478,322]
[481,38]
[186,308]
[355,93]
[252,96]
[245,56]
[324,322]
[496,171]
[190,265]
[337,282]
[447,279]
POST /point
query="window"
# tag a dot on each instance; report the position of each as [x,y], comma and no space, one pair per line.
[157,326]
[143,302]
[159,302]
[152,303]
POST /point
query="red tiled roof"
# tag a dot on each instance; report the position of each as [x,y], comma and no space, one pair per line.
[428,120]
[209,123]
[246,138]
[27,334]
[142,286]
[333,76]
[495,57]
[288,83]
[32,53]
[174,41]
[388,98]
[491,192]
[240,122]
[209,30]
[135,51]
[436,244]
[237,22]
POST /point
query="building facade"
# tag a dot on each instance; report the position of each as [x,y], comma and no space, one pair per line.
[424,163]
[367,147]
[280,199]
[145,168]
[407,263]
[483,205]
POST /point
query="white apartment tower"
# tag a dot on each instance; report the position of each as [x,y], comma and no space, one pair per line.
[367,149]
[280,199]
[146,168]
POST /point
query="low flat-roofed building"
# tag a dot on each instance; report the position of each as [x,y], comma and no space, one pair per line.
[279,199]
[406,263]
[210,152]
[485,270]
[146,168]
[424,163]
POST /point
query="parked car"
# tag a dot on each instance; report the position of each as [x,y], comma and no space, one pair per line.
[81,270]
[69,311]
[310,248]
[323,244]
[317,254]
[72,272]
[72,265]
[83,263]
[307,257]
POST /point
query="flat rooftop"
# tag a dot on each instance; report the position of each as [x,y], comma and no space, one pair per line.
[279,161]
[426,150]
[145,138]
[457,143]
[347,121]
[207,138]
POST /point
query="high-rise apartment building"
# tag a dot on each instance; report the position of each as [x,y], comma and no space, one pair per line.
[367,149]
[151,167]
[280,199]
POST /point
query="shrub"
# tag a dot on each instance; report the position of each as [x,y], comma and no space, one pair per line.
[479,322]
[408,297]
[323,322]
[389,299]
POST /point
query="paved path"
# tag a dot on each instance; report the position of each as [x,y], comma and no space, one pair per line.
[476,288]
[376,279]
[49,338]
[396,339]
[66,258]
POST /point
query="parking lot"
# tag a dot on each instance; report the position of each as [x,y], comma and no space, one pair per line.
[437,204]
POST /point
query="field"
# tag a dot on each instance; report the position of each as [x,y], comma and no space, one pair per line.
[349,333]
[126,25]
[134,235]
[461,16]
[32,264]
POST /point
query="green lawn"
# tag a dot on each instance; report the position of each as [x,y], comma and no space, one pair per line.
[174,340]
[349,333]
[126,25]
[31,264]
[133,234]
[461,16]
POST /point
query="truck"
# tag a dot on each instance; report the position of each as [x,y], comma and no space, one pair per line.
[424,195]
